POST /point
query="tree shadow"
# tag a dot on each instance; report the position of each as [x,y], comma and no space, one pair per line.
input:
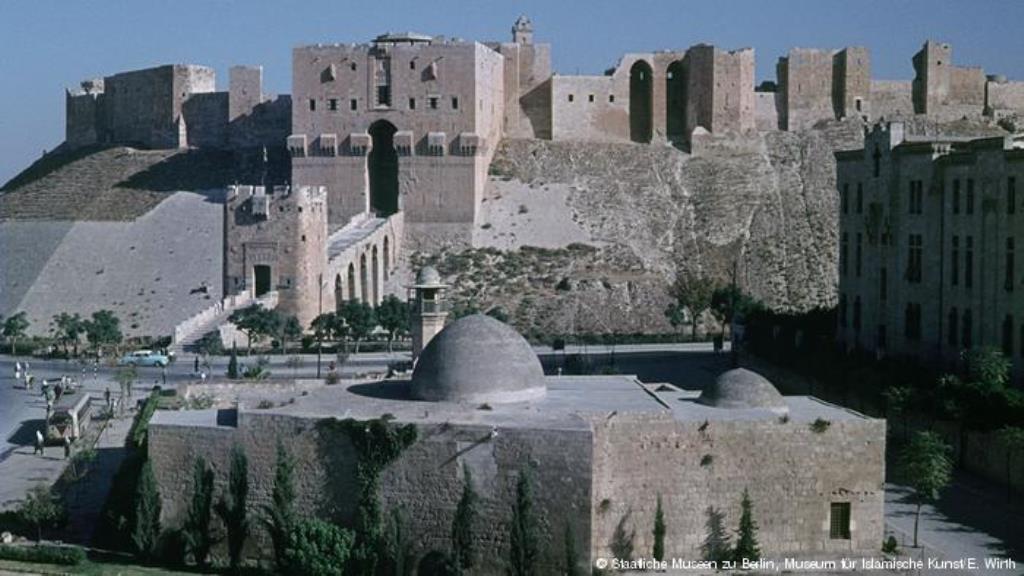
[199,170]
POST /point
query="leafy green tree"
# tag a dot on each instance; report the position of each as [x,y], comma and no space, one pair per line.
[393,316]
[716,546]
[126,377]
[746,535]
[659,532]
[233,364]
[40,508]
[969,399]
[523,535]
[897,401]
[255,321]
[196,529]
[14,328]
[729,301]
[318,548]
[360,319]
[323,326]
[691,294]
[103,329]
[67,329]
[232,506]
[928,468]
[464,549]
[987,367]
[279,515]
[1012,438]
[146,514]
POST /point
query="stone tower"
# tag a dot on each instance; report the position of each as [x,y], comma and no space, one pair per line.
[429,309]
[522,31]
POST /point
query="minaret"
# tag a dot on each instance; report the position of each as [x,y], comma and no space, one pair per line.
[428,308]
[522,31]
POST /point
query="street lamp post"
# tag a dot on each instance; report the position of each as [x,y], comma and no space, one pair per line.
[319,333]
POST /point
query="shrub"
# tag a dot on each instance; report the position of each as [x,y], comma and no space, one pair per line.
[820,425]
[890,546]
[746,537]
[43,553]
[232,507]
[146,517]
[40,509]
[524,547]
[659,532]
[317,548]
[138,434]
[196,531]
[462,525]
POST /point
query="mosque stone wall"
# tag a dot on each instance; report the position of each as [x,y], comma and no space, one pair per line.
[791,472]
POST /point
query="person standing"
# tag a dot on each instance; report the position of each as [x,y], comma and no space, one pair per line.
[67,447]
[39,443]
[195,366]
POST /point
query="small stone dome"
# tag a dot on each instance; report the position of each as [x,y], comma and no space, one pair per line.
[428,276]
[741,388]
[478,359]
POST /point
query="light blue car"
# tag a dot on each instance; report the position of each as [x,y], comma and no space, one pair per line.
[144,358]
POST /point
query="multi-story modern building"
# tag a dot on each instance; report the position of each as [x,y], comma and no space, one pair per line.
[929,231]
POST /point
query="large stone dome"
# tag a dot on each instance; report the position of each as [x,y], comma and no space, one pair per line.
[741,388]
[478,359]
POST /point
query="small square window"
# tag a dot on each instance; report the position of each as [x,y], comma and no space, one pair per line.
[455,102]
[352,66]
[353,104]
[571,97]
[611,98]
[412,64]
[412,103]
[590,98]
[433,102]
[332,104]
[312,105]
[839,521]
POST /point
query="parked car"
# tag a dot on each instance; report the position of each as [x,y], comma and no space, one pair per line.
[144,358]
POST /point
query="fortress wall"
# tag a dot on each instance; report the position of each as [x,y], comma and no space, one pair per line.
[891,99]
[733,109]
[267,124]
[967,86]
[583,119]
[1005,96]
[425,482]
[141,107]
[82,119]
[799,472]
[852,82]
[346,181]
[766,111]
[805,80]
[206,119]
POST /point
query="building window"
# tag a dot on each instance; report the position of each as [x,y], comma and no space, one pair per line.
[916,196]
[332,104]
[856,314]
[912,321]
[455,102]
[611,98]
[914,259]
[590,98]
[412,103]
[839,521]
[353,104]
[842,310]
[1008,282]
[571,97]
[303,237]
[956,196]
[844,200]
[970,196]
[382,77]
[412,64]
[954,318]
[877,157]
[312,105]
[353,66]
[883,284]
[1011,195]
[860,198]
[954,265]
[966,339]
[882,337]
[969,262]
[1008,336]
[857,263]
[843,247]
[432,102]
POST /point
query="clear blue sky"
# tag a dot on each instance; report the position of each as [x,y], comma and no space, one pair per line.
[48,45]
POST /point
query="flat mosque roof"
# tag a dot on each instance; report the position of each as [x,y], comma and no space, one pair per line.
[570,403]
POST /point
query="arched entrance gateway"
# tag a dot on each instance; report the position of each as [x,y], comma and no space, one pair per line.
[382,166]
[641,102]
[675,101]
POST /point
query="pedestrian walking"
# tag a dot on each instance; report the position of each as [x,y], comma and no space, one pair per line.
[39,443]
[163,375]
[195,369]
[67,447]
[106,399]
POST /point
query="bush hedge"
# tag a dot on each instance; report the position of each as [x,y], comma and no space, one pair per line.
[43,553]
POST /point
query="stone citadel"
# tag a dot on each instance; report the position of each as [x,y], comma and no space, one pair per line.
[400,133]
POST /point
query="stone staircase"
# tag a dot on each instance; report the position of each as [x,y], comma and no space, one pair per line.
[187,333]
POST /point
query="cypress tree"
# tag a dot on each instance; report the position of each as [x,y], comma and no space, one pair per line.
[523,535]
[746,536]
[572,556]
[233,363]
[232,507]
[146,514]
[716,546]
[280,513]
[659,532]
[462,526]
[196,530]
